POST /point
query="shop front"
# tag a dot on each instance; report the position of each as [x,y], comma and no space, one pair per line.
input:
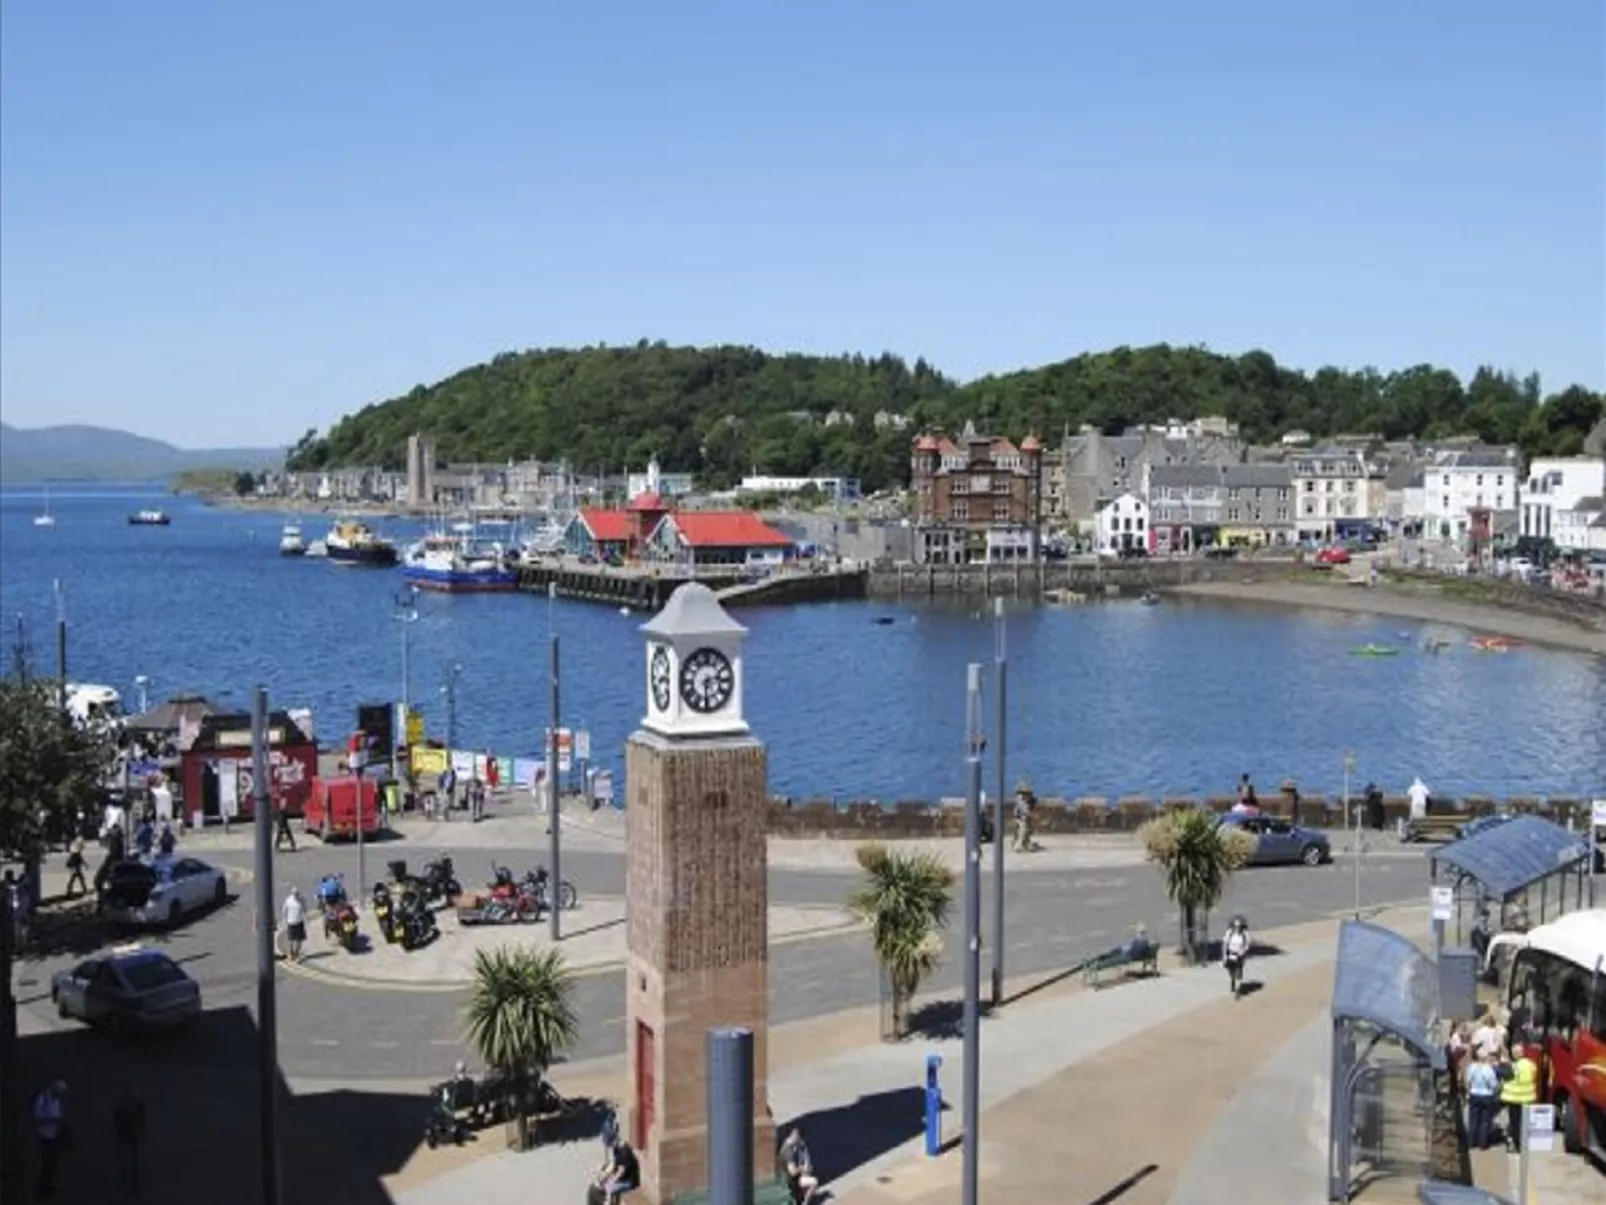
[217,768]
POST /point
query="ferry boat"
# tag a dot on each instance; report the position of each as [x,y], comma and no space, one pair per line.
[352,543]
[459,561]
[291,541]
[149,518]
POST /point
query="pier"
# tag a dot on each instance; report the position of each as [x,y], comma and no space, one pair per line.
[648,587]
[1046,579]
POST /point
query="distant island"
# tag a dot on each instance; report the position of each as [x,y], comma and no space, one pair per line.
[83,453]
[723,412]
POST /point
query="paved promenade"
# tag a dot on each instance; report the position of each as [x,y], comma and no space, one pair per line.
[1087,1097]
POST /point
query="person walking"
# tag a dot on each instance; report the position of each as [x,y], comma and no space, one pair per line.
[48,1109]
[1483,1099]
[282,835]
[77,884]
[128,1131]
[295,923]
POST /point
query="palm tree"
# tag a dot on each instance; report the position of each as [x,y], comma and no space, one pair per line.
[520,1016]
[1197,855]
[905,900]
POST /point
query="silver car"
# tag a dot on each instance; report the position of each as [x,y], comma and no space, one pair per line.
[127,989]
[162,891]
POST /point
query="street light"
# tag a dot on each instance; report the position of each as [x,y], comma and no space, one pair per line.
[406,614]
[450,691]
[1353,819]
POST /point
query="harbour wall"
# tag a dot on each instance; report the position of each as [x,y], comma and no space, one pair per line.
[875,820]
[1091,579]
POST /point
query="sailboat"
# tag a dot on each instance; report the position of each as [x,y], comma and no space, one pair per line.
[45,518]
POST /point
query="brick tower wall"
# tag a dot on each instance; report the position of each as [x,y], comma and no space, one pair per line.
[697,942]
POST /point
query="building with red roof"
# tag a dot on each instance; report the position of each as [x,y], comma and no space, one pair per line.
[647,529]
[977,497]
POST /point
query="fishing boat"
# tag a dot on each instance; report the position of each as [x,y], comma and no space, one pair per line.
[149,518]
[350,542]
[459,561]
[44,518]
[291,541]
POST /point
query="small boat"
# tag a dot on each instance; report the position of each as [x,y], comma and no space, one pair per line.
[1375,650]
[44,518]
[1494,644]
[883,620]
[1150,599]
[352,543]
[291,542]
[149,518]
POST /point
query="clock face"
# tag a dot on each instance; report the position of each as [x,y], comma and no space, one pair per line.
[706,680]
[658,675]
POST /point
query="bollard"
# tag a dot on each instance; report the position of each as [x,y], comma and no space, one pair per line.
[933,1106]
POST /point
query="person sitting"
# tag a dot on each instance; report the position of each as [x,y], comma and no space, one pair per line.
[620,1173]
[166,841]
[798,1168]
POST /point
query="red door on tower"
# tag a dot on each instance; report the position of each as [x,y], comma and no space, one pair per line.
[646,1086]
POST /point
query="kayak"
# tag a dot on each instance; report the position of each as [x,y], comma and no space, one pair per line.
[1375,650]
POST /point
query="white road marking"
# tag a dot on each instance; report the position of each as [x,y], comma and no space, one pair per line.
[322,1042]
[384,1045]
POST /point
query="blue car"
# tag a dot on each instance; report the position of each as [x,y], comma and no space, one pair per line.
[1281,842]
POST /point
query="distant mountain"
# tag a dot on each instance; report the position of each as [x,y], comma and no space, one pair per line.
[79,453]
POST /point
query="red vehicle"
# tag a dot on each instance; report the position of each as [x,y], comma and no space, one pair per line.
[331,808]
[1559,973]
[1333,556]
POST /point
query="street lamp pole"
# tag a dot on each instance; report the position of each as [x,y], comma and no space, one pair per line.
[61,644]
[451,709]
[1352,818]
[1002,666]
[554,894]
[406,613]
[972,1014]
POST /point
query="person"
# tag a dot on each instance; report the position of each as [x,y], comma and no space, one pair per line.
[50,1130]
[115,821]
[1235,952]
[21,907]
[282,835]
[1024,801]
[620,1173]
[446,785]
[1517,1092]
[1419,796]
[167,841]
[1247,804]
[1483,1100]
[1374,807]
[76,883]
[144,838]
[798,1168]
[1488,1038]
[295,923]
[493,772]
[128,1130]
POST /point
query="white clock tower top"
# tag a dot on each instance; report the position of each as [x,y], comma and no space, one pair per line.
[694,667]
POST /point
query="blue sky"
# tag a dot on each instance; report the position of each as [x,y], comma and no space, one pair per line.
[227,222]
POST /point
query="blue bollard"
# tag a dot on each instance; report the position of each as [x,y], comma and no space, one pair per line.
[933,1106]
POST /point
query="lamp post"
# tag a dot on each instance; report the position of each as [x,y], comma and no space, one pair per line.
[450,691]
[61,644]
[974,743]
[1353,819]
[406,603]
[1002,668]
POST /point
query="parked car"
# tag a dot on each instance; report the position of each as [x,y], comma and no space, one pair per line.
[129,988]
[1333,555]
[162,891]
[1281,842]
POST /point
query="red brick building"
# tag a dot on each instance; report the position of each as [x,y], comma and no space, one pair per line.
[976,498]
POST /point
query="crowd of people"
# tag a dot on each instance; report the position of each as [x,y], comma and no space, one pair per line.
[1499,1071]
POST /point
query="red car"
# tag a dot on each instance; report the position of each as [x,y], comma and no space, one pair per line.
[1333,556]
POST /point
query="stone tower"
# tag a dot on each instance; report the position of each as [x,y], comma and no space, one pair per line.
[697,906]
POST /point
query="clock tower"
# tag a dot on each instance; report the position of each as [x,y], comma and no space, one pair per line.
[696,896]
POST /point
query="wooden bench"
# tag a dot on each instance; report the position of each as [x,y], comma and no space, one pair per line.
[1144,960]
[1445,827]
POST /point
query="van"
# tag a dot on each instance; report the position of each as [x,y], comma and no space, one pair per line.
[331,808]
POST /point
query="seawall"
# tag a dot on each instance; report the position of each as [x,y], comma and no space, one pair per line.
[1090,579]
[871,819]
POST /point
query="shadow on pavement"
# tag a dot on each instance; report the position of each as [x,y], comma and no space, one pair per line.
[848,1137]
[1117,1191]
[199,1089]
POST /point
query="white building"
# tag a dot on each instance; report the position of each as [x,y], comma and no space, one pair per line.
[1579,527]
[1558,484]
[1121,524]
[1457,483]
[842,489]
[655,481]
[1332,495]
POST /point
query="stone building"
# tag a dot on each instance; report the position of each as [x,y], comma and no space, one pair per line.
[1341,494]
[1234,505]
[976,498]
[1091,468]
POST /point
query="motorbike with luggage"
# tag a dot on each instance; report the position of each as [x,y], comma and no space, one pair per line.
[464,1103]
[536,883]
[437,883]
[339,913]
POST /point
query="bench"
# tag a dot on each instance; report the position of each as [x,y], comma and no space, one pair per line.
[1444,827]
[1132,958]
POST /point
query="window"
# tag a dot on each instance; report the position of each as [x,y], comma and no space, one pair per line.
[1499,479]
[1282,494]
[1447,481]
[1327,487]
[1349,487]
[980,485]
[961,509]
[959,485]
[1480,479]
[1446,502]
[1310,487]
[1139,522]
[1232,494]
[1232,514]
[1282,513]
[1001,511]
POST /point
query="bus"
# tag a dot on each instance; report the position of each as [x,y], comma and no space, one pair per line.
[1558,974]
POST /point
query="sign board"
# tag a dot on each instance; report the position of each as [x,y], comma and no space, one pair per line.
[602,786]
[1540,1123]
[565,748]
[1442,902]
[1597,813]
[582,745]
[413,726]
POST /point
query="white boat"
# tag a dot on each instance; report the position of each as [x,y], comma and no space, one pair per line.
[291,542]
[459,561]
[545,541]
[45,518]
[94,706]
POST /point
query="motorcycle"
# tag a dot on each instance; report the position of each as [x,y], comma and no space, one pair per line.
[539,882]
[496,909]
[414,921]
[339,915]
[463,1104]
[440,880]
[385,918]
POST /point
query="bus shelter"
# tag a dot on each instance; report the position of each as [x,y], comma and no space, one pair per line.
[1388,1061]
[1506,867]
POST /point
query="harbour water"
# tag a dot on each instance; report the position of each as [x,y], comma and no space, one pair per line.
[1109,700]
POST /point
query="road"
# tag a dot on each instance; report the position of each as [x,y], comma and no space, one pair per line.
[334,1032]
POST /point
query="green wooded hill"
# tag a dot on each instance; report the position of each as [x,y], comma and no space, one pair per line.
[723,412]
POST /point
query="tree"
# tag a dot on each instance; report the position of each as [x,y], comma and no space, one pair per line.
[52,767]
[1197,855]
[905,900]
[520,1015]
[244,484]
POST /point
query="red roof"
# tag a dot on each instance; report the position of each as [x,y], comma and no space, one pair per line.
[648,500]
[606,526]
[1031,444]
[926,443]
[727,529]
